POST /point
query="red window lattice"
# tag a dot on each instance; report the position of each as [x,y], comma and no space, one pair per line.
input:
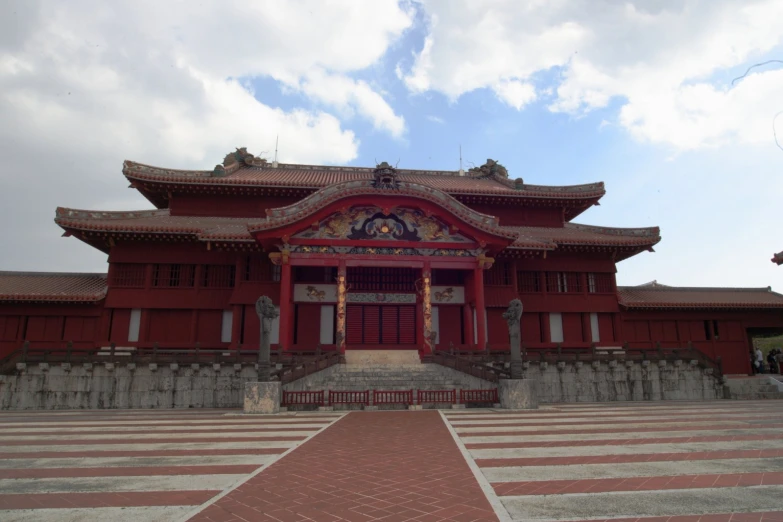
[528,282]
[173,276]
[218,276]
[382,279]
[128,275]
[498,275]
[599,283]
[563,282]
[258,268]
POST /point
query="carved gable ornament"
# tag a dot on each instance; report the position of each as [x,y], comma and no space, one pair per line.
[399,224]
[385,177]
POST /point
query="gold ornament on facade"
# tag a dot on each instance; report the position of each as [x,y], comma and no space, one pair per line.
[314,294]
[341,298]
[445,296]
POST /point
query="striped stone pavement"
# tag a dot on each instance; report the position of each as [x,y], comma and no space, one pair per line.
[645,462]
[134,465]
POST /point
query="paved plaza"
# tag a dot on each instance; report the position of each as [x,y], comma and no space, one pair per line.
[662,461]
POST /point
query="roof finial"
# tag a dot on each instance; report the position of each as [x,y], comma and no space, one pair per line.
[461,170]
[274,163]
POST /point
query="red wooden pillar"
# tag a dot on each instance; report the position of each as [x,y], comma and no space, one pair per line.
[467,319]
[284,335]
[481,318]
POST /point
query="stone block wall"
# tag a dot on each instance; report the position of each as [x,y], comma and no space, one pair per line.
[623,381]
[104,386]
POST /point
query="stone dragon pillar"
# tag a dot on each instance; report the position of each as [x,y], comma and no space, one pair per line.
[266,314]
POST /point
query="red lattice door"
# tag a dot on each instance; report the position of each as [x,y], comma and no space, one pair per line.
[407,324]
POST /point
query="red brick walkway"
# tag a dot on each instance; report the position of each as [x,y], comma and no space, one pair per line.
[389,466]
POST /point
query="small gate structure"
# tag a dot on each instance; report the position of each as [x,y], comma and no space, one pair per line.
[349,397]
[404,397]
[479,396]
[303,398]
[437,396]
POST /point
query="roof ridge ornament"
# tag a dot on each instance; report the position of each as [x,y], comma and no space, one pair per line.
[233,161]
[489,169]
[385,177]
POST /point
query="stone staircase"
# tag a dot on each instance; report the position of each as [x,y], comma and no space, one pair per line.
[381,373]
[754,388]
[420,377]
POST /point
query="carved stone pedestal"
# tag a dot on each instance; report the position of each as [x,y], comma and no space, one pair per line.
[518,394]
[262,397]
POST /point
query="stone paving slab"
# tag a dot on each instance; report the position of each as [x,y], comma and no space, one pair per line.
[677,469]
[59,467]
[390,466]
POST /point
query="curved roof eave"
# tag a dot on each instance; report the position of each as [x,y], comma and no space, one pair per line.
[148,173]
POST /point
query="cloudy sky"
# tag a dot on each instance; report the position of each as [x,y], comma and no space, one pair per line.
[638,94]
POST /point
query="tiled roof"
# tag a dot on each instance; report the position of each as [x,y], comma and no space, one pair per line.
[235,229]
[575,234]
[52,287]
[659,296]
[155,222]
[778,258]
[315,177]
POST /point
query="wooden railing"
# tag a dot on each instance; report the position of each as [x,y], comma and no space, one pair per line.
[404,397]
[479,396]
[303,398]
[350,397]
[437,396]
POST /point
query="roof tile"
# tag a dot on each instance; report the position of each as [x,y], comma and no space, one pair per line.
[659,296]
[52,287]
[315,177]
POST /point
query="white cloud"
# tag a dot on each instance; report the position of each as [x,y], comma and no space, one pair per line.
[515,93]
[86,84]
[659,58]
[347,94]
[435,119]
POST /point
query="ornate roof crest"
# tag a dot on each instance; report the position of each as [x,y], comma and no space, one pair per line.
[235,160]
[385,177]
[490,168]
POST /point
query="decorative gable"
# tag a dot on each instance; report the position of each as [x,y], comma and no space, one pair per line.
[397,224]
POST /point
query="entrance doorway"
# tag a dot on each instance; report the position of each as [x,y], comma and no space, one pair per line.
[388,326]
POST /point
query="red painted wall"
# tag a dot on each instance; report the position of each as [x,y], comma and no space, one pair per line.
[49,326]
[672,329]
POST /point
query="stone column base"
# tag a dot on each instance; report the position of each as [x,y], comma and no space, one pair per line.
[518,394]
[262,397]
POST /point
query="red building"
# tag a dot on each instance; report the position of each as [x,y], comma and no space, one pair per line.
[361,258]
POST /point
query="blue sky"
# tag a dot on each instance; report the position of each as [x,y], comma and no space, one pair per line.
[636,94]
